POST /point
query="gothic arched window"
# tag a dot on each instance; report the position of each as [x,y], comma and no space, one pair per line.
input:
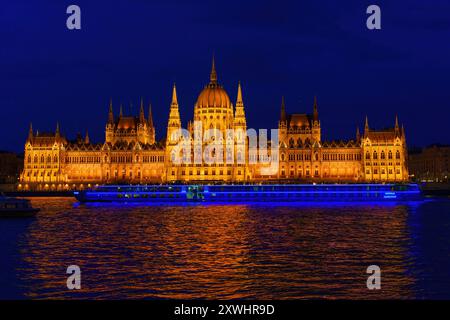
[291,143]
[390,155]
[383,155]
[375,155]
[397,155]
[367,155]
[29,159]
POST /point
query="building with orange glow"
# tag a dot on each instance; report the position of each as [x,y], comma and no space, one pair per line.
[131,153]
[431,164]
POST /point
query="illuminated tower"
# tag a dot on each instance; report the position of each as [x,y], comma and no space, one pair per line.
[240,127]
[239,115]
[151,127]
[315,122]
[109,131]
[282,124]
[143,129]
[174,123]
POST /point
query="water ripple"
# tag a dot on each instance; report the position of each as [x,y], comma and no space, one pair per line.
[234,251]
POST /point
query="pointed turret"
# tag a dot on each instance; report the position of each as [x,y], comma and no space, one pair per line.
[174,123]
[150,116]
[141,112]
[86,138]
[57,134]
[30,132]
[110,112]
[239,101]
[174,96]
[315,110]
[283,110]
[174,111]
[213,75]
[396,128]
[151,127]
[239,116]
[358,135]
[366,126]
[121,111]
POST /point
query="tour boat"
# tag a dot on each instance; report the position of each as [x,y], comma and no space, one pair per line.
[16,208]
[250,193]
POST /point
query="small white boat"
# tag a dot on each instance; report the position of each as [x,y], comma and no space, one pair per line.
[16,208]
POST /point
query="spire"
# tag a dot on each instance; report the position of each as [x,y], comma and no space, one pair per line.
[86,139]
[150,116]
[366,126]
[151,127]
[30,132]
[283,110]
[358,135]
[239,101]
[315,111]
[174,123]
[213,76]
[396,122]
[110,112]
[239,117]
[57,130]
[141,112]
[121,111]
[174,112]
[174,96]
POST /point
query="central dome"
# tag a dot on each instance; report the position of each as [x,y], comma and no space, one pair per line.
[213,106]
[213,95]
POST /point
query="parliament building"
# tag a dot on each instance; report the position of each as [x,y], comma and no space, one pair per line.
[131,154]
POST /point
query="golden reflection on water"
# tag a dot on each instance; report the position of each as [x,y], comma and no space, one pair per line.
[216,251]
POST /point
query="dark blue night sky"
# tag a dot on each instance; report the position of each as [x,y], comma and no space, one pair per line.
[129,49]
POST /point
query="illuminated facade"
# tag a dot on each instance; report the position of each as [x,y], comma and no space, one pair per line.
[131,153]
[431,164]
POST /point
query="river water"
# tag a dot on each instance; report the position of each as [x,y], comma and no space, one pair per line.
[218,251]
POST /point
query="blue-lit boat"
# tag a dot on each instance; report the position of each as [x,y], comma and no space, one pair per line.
[251,193]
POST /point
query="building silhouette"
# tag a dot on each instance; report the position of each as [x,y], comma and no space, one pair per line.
[132,154]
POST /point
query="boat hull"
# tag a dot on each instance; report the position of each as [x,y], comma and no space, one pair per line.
[251,193]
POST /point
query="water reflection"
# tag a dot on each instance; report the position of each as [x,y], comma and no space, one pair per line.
[222,251]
